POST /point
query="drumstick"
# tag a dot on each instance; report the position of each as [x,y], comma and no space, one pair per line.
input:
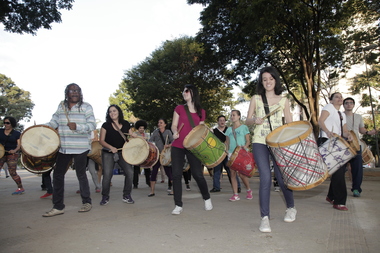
[64,109]
[271,113]
[166,141]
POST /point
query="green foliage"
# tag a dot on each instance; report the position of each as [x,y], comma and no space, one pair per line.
[299,38]
[14,101]
[27,16]
[153,88]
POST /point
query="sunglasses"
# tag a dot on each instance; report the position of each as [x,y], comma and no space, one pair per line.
[186,91]
[7,122]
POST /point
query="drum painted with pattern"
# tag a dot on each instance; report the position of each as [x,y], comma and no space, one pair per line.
[242,161]
[39,147]
[96,152]
[140,152]
[296,153]
[205,146]
[336,152]
[367,155]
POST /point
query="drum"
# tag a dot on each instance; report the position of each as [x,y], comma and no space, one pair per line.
[96,152]
[39,146]
[242,161]
[140,152]
[355,141]
[2,151]
[336,152]
[367,155]
[296,153]
[205,146]
[165,157]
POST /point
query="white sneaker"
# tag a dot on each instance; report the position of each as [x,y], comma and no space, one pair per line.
[177,210]
[208,205]
[290,214]
[53,212]
[277,188]
[264,225]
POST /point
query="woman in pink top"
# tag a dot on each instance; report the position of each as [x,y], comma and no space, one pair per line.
[181,127]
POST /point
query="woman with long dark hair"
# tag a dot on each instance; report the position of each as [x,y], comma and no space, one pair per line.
[181,127]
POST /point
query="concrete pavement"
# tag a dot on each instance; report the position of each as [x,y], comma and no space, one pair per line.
[148,226]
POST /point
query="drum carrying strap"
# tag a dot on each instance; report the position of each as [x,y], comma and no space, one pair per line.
[118,129]
[189,116]
[266,108]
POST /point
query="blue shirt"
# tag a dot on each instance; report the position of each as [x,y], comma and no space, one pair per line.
[241,132]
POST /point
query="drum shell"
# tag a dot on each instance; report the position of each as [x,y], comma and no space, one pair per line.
[38,165]
[2,151]
[242,161]
[367,155]
[336,152]
[297,156]
[205,146]
[96,152]
[355,141]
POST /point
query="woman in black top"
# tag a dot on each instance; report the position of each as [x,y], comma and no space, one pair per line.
[112,141]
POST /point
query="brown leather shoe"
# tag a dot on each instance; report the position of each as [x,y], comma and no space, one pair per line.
[330,201]
[340,207]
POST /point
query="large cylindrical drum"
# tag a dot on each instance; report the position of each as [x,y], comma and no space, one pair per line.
[39,147]
[242,161]
[140,152]
[96,152]
[205,146]
[295,150]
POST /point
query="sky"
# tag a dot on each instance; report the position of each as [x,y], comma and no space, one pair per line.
[96,42]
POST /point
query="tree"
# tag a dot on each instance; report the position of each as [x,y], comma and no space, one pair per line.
[123,100]
[14,101]
[300,38]
[27,16]
[155,85]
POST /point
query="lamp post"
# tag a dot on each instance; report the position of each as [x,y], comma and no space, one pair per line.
[370,47]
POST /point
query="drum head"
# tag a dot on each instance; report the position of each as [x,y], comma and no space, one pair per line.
[39,141]
[289,134]
[195,136]
[355,141]
[135,151]
[2,151]
[165,156]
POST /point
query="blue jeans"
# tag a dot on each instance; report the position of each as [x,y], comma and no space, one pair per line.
[261,155]
[178,160]
[218,172]
[357,171]
[62,164]
[108,166]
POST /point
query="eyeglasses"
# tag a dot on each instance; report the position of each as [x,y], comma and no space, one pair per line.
[7,122]
[74,91]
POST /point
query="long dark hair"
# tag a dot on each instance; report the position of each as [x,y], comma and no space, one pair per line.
[11,120]
[66,101]
[195,98]
[278,89]
[121,116]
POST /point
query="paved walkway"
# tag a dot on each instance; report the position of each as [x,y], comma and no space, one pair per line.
[148,226]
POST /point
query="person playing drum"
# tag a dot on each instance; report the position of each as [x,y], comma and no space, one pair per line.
[333,121]
[140,127]
[112,138]
[75,121]
[237,135]
[269,88]
[162,137]
[185,117]
[10,139]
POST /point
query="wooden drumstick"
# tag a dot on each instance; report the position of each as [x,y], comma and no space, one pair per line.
[166,141]
[271,113]
[64,109]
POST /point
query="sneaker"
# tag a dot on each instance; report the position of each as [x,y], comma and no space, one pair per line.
[290,214]
[188,187]
[208,205]
[169,189]
[177,210]
[104,201]
[277,188]
[19,191]
[85,208]
[214,190]
[128,199]
[356,193]
[234,197]
[46,195]
[53,212]
[264,225]
[340,207]
[249,194]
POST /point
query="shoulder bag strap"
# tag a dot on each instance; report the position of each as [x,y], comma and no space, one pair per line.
[162,137]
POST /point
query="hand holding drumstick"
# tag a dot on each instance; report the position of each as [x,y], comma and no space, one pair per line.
[259,121]
[176,135]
